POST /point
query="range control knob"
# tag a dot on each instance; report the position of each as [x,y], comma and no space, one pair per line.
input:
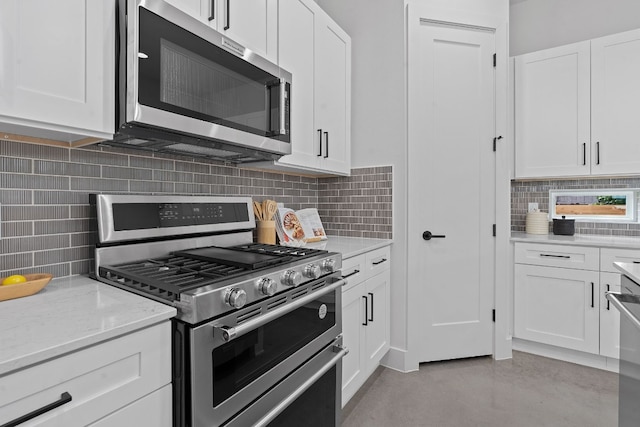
[312,271]
[235,298]
[329,265]
[291,278]
[267,286]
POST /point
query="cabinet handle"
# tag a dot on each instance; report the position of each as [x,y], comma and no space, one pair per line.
[320,142]
[592,295]
[326,145]
[366,311]
[636,262]
[555,256]
[64,398]
[598,153]
[212,10]
[608,298]
[351,274]
[379,262]
[371,318]
[584,154]
[228,24]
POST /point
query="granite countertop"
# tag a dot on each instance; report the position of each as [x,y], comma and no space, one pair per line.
[621,242]
[68,314]
[350,246]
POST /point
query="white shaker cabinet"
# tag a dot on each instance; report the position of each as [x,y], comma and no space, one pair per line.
[576,109]
[57,78]
[123,381]
[552,112]
[609,317]
[557,306]
[318,54]
[615,103]
[252,23]
[365,317]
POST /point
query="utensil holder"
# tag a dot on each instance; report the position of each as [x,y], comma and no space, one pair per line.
[266,232]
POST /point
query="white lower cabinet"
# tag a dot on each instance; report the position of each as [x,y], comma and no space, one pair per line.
[557,306]
[609,317]
[124,381]
[559,296]
[365,317]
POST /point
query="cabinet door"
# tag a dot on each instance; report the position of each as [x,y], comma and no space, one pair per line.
[557,306]
[552,112]
[609,317]
[615,102]
[58,64]
[297,44]
[333,89]
[353,321]
[377,312]
[252,23]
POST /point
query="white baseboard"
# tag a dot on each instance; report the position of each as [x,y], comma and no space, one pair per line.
[397,359]
[567,355]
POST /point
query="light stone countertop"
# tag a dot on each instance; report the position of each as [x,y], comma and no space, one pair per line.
[350,246]
[632,271]
[621,242]
[68,314]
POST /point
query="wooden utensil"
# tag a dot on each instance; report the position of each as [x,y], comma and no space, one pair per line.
[257,210]
[271,208]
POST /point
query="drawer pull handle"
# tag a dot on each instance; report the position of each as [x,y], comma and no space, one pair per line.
[379,262]
[351,274]
[636,262]
[64,398]
[555,256]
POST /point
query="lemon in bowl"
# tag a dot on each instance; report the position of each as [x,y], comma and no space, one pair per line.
[13,280]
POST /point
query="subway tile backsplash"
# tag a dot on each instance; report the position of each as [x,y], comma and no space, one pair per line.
[44,196]
[525,192]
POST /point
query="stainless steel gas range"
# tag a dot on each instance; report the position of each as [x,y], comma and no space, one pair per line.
[257,339]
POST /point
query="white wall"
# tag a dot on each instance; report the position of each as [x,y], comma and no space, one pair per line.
[378,120]
[541,24]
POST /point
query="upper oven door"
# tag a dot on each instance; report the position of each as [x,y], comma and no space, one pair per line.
[183,76]
[227,375]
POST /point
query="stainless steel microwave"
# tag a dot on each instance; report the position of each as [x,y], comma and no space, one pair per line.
[183,87]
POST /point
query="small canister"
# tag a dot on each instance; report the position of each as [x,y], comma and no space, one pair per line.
[564,227]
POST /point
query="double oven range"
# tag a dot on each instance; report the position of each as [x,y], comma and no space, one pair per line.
[257,338]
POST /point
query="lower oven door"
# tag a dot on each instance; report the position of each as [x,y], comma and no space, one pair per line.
[311,396]
[236,359]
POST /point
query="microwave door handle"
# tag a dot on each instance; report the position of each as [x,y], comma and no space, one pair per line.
[283,106]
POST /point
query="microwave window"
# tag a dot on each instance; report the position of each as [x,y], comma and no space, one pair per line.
[182,73]
[190,81]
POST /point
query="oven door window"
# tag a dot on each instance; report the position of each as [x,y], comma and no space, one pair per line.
[241,361]
[184,74]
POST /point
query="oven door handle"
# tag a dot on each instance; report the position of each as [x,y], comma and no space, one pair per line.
[616,298]
[273,413]
[231,332]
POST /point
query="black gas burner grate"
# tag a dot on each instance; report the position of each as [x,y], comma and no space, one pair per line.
[299,252]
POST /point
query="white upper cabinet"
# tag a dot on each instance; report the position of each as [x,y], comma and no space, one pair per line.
[252,23]
[57,78]
[576,109]
[552,112]
[318,54]
[615,104]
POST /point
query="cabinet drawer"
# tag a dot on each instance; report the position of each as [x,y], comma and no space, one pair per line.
[579,257]
[378,261]
[608,256]
[354,270]
[100,379]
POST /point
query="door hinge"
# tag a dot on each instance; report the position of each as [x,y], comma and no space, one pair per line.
[496,140]
[494,60]
[494,230]
[493,314]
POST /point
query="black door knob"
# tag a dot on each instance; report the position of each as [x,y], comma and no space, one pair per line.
[427,235]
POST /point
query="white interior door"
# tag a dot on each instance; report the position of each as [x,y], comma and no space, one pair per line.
[452,188]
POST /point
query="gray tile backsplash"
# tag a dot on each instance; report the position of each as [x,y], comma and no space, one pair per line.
[524,192]
[44,197]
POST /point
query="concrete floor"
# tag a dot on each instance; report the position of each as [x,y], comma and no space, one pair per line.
[525,391]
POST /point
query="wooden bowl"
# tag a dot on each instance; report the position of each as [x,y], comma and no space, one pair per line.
[34,283]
